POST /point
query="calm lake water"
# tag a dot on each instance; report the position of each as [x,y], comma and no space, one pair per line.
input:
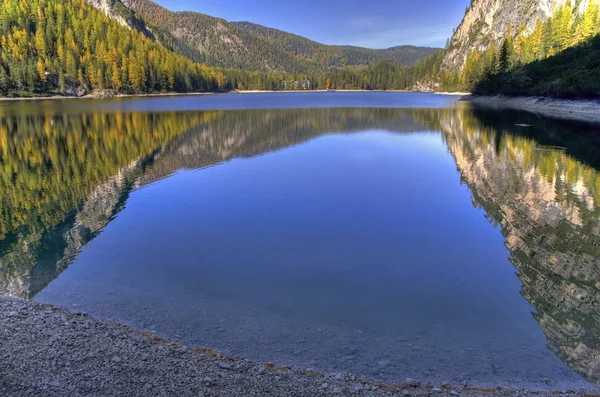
[384,234]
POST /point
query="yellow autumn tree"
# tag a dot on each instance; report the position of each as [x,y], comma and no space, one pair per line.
[590,23]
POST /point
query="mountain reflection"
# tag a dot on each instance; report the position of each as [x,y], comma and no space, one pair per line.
[521,172]
[63,178]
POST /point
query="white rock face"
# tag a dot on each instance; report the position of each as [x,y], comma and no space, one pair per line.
[106,6]
[120,11]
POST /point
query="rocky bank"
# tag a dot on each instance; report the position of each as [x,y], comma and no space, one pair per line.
[45,351]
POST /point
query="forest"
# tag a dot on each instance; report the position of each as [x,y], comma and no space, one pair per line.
[52,45]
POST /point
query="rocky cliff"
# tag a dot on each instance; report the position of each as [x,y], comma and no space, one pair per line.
[488,21]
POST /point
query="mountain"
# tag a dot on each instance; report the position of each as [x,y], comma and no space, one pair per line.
[487,22]
[102,47]
[332,55]
[247,46]
[524,47]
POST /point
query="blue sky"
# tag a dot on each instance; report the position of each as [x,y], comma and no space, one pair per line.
[366,23]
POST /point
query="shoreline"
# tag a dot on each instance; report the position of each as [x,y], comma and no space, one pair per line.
[49,351]
[55,97]
[168,94]
[567,109]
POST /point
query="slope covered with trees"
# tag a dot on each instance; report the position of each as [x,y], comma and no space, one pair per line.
[572,73]
[558,56]
[248,46]
[334,55]
[69,46]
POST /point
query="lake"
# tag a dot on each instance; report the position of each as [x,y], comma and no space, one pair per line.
[389,235]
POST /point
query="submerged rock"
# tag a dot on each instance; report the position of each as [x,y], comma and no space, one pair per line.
[224,365]
[412,382]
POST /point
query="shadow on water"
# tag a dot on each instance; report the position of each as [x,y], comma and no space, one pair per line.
[64,178]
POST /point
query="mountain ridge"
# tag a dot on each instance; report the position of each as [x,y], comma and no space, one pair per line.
[248,46]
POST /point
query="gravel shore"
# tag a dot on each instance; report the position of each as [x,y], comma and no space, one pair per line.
[583,110]
[45,351]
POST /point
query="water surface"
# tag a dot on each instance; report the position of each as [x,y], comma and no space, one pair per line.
[409,239]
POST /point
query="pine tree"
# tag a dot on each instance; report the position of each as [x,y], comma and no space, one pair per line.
[507,52]
[562,28]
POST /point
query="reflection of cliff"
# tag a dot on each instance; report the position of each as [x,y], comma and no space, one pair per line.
[63,178]
[548,205]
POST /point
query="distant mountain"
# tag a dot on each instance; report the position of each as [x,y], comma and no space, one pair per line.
[333,55]
[247,46]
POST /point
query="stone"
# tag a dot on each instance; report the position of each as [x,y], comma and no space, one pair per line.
[208,381]
[357,387]
[54,383]
[115,359]
[454,393]
[224,365]
[261,370]
[12,314]
[437,390]
[338,376]
[412,382]
[405,392]
[337,389]
[324,385]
